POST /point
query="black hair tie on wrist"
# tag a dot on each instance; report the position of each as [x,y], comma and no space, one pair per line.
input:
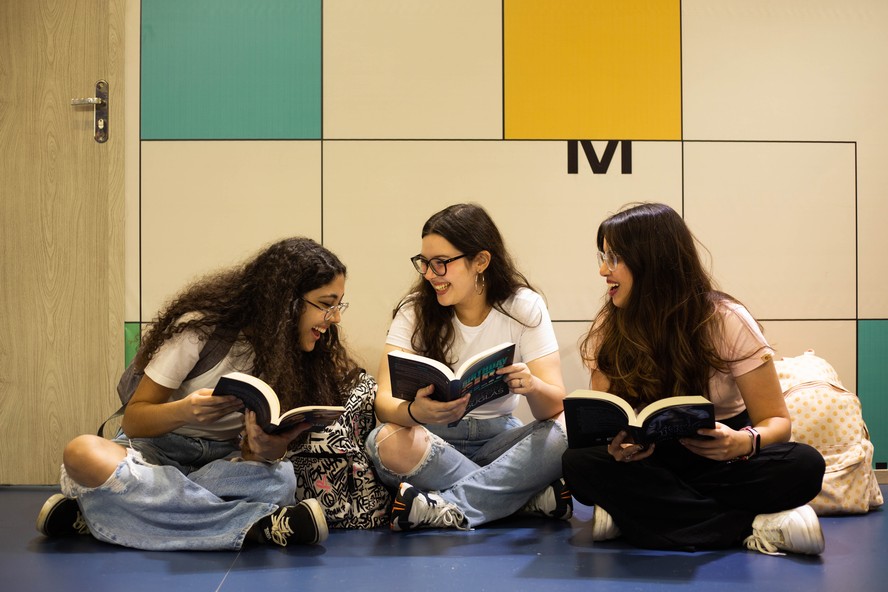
[410,413]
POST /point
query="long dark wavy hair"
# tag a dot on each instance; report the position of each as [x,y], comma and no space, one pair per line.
[470,229]
[259,303]
[663,341]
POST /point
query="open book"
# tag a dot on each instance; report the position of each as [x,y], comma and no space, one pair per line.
[259,397]
[477,375]
[593,418]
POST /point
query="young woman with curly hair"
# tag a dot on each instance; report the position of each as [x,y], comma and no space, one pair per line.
[665,330]
[189,470]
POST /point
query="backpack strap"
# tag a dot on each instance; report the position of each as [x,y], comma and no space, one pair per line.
[214,351]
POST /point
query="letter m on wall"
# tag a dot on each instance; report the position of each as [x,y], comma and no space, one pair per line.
[598,165]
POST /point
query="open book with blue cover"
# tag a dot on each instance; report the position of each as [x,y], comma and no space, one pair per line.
[477,375]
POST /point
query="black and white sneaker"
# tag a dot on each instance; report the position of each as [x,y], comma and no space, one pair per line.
[60,516]
[554,501]
[302,524]
[413,509]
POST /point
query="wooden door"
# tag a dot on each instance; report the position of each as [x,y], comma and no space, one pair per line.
[61,225]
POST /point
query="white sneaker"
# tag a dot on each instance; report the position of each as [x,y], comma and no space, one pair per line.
[416,509]
[603,526]
[554,501]
[795,531]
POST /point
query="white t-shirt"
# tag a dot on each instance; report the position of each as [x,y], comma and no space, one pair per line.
[174,360]
[532,334]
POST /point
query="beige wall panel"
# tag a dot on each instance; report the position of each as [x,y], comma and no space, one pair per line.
[377,195]
[210,204]
[779,221]
[872,229]
[798,70]
[834,341]
[575,374]
[419,69]
[569,334]
[133,35]
[789,70]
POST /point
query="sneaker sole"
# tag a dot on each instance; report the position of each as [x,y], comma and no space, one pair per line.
[320,521]
[46,512]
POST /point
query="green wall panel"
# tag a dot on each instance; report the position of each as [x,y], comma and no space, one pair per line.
[872,383]
[231,69]
[132,335]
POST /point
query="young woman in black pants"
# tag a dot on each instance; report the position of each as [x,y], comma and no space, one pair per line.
[664,331]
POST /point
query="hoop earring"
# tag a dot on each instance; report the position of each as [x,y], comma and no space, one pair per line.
[479,286]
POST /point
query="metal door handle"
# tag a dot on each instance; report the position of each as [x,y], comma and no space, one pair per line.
[88,101]
[100,104]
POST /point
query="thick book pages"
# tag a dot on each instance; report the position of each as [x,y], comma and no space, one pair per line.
[593,418]
[477,375]
[258,396]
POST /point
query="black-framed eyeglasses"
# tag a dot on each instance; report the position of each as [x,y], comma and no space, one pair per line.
[438,265]
[329,311]
[610,259]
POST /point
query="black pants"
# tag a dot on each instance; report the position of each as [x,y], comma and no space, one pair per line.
[676,499]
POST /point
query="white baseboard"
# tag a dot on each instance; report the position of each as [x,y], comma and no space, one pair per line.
[882,476]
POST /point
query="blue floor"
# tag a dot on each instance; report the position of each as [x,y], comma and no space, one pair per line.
[515,555]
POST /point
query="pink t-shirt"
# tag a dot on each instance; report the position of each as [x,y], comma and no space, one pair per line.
[743,341]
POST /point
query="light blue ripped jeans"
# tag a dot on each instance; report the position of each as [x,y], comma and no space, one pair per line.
[173,492]
[488,468]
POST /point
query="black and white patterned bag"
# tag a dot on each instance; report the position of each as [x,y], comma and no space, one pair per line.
[332,466]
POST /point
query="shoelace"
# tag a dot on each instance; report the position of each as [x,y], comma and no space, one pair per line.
[80,524]
[449,518]
[756,542]
[435,516]
[280,529]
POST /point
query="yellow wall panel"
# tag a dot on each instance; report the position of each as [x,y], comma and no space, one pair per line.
[592,69]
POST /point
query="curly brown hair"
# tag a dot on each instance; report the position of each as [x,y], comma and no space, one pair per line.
[663,341]
[258,303]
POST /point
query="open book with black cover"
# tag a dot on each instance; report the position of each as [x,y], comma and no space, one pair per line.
[594,418]
[477,375]
[258,396]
